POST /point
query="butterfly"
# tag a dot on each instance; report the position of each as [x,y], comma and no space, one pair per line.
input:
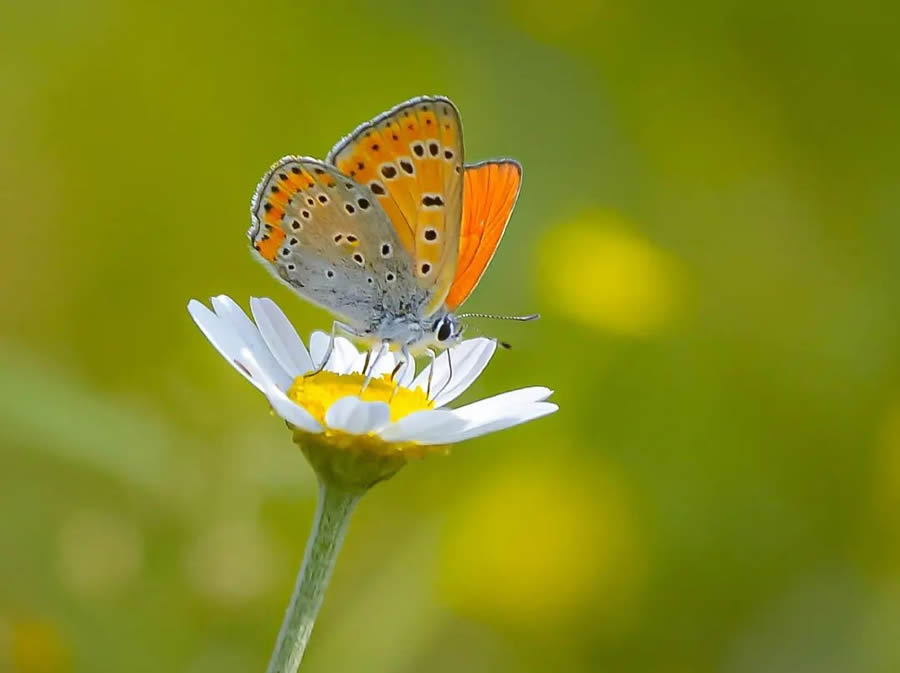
[392,231]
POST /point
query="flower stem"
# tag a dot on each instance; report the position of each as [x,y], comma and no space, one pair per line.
[332,517]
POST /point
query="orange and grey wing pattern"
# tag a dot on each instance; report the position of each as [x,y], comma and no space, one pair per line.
[324,234]
[489,196]
[411,158]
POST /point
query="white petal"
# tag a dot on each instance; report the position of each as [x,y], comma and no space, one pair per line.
[281,337]
[286,408]
[318,346]
[292,412]
[385,364]
[221,336]
[352,415]
[343,356]
[520,415]
[462,366]
[424,427]
[500,405]
[467,367]
[381,361]
[226,340]
[358,362]
[440,367]
[443,368]
[231,313]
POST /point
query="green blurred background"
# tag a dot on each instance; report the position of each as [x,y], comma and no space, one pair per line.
[708,224]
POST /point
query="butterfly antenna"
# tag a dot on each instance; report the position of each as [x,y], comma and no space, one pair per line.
[491,316]
[518,318]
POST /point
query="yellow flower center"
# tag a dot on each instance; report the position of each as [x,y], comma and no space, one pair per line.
[317,393]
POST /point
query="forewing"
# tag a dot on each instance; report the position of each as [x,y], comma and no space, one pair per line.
[327,237]
[411,159]
[489,196]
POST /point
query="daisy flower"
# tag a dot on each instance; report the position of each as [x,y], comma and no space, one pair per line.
[399,415]
[353,433]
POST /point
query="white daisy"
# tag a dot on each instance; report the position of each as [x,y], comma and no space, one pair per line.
[399,414]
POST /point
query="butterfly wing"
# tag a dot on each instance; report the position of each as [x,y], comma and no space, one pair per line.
[411,159]
[327,237]
[489,196]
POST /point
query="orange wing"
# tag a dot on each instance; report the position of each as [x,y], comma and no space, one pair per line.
[411,158]
[489,195]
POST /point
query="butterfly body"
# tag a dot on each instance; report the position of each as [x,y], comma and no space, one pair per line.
[392,231]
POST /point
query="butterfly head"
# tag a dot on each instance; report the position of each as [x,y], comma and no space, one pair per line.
[446,330]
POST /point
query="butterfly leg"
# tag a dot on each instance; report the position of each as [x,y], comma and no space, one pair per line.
[406,360]
[385,346]
[405,357]
[430,372]
[335,326]
[449,375]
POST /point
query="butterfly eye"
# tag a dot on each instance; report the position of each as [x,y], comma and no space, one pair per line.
[443,329]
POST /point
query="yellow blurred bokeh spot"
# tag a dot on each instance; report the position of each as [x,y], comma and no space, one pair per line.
[536,546]
[596,270]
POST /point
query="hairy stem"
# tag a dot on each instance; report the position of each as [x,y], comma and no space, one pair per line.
[332,517]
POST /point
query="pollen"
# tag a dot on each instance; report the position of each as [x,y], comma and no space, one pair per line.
[317,393]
